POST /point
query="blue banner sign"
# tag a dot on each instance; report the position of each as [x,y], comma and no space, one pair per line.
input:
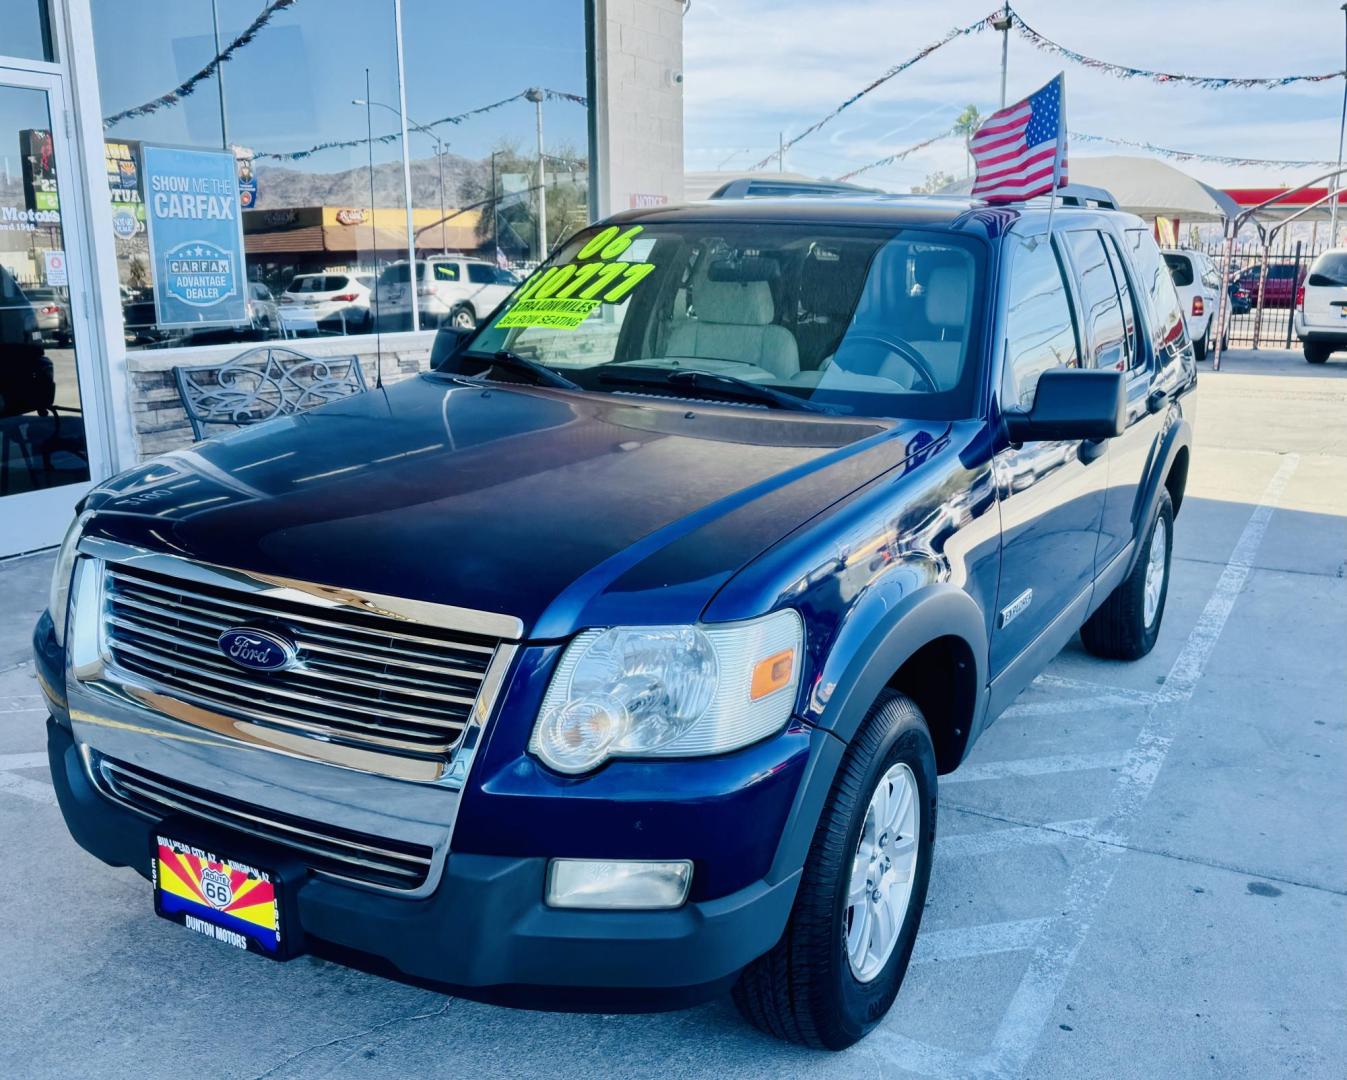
[196,236]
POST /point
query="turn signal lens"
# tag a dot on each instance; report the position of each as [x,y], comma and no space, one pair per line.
[772,674]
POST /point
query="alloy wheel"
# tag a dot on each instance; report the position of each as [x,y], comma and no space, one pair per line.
[1155,572]
[882,873]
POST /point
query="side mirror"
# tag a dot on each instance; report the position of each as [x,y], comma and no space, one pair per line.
[1072,403]
[449,341]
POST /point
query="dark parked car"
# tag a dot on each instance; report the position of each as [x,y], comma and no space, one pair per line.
[615,661]
[1279,291]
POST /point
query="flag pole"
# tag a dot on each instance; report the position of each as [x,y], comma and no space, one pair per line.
[1059,152]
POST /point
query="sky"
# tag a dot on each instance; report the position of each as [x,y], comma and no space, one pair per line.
[753,68]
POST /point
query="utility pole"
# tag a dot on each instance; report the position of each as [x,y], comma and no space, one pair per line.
[414,281]
[495,210]
[536,96]
[780,151]
[1003,24]
[219,76]
[1342,127]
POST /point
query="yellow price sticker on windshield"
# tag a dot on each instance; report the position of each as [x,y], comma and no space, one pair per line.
[552,314]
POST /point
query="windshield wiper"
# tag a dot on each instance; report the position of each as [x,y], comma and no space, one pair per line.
[725,385]
[540,374]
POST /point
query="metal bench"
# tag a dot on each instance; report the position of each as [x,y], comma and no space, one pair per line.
[264,382]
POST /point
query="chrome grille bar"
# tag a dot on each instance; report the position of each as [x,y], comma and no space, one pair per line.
[360,678]
[327,849]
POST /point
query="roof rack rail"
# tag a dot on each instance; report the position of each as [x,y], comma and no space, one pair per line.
[757,187]
[1081,195]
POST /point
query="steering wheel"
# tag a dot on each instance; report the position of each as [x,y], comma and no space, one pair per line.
[894,344]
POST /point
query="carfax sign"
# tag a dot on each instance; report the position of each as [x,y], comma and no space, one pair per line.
[196,236]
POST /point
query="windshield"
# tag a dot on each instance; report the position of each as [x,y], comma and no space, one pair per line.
[869,321]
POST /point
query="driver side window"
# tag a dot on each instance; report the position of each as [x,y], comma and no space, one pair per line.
[1040,326]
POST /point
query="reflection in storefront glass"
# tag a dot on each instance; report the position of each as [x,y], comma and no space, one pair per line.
[25,29]
[42,441]
[307,101]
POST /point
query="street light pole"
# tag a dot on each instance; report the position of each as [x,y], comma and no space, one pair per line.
[1002,23]
[1342,128]
[495,210]
[439,150]
[406,166]
[536,96]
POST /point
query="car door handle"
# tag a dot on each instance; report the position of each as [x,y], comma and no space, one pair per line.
[1091,450]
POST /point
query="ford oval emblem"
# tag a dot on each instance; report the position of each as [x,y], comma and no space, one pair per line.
[257,650]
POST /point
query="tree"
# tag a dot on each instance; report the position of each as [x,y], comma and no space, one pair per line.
[966,125]
[936,181]
[567,196]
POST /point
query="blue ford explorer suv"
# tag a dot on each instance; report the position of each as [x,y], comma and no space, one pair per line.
[613,662]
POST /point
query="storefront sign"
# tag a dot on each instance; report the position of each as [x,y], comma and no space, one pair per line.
[122,160]
[53,263]
[243,159]
[351,217]
[641,202]
[196,236]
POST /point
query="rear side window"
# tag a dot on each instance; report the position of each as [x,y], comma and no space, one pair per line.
[481,274]
[1330,269]
[1155,281]
[1104,332]
[1136,356]
[1182,269]
[1040,329]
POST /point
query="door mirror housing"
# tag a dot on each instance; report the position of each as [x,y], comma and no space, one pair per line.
[449,342]
[1072,403]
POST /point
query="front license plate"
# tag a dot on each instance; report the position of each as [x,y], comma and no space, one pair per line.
[218,897]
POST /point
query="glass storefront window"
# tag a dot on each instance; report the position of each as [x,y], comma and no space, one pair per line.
[25,29]
[307,103]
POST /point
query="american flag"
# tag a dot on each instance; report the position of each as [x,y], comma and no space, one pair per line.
[1020,151]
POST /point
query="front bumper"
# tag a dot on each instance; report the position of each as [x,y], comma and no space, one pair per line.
[485,928]
[480,926]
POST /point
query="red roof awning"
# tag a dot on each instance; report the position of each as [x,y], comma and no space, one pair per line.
[1254,196]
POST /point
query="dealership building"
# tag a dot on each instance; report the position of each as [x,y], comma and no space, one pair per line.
[184,180]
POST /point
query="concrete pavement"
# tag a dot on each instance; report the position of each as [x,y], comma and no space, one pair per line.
[1141,870]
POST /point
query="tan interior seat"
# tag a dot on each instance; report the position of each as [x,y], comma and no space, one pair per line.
[947,312]
[733,321]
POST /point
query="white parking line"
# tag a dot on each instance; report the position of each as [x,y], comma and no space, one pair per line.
[961,942]
[991,841]
[1033,1002]
[1063,682]
[1077,705]
[1039,766]
[22,761]
[29,789]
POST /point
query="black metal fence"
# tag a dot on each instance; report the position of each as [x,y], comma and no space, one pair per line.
[1268,326]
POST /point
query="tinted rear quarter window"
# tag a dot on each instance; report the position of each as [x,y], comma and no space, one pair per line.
[1329,269]
[1099,296]
[1167,325]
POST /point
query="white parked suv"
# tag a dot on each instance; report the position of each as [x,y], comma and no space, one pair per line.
[451,290]
[337,300]
[1321,307]
[1198,285]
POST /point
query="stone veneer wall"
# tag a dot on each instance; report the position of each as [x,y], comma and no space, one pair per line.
[159,422]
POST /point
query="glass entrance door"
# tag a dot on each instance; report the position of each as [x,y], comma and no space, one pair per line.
[48,448]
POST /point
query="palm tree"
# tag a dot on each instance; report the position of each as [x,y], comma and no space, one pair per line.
[967,125]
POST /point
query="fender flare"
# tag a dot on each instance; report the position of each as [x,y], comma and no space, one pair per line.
[879,637]
[1178,437]
[879,643]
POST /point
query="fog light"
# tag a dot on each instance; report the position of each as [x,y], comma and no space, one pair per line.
[629,885]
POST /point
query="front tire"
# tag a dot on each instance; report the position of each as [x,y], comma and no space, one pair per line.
[1127,624]
[1317,352]
[837,968]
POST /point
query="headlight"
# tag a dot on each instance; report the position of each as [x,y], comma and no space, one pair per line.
[60,576]
[669,691]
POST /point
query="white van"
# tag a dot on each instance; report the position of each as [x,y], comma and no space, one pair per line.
[1198,285]
[1321,307]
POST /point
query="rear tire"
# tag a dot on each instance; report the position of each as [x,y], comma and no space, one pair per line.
[1200,345]
[838,966]
[1316,352]
[1127,624]
[463,318]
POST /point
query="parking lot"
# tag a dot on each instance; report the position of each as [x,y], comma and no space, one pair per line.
[1141,870]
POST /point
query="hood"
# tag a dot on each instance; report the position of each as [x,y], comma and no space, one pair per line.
[562,509]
